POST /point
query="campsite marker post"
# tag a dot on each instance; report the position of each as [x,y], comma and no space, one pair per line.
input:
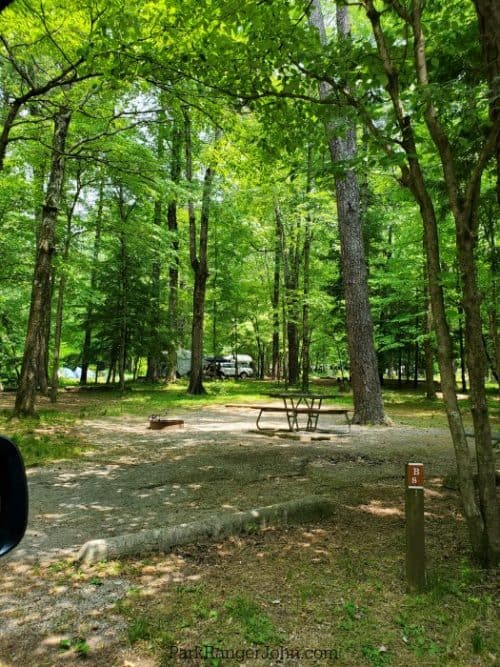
[415,539]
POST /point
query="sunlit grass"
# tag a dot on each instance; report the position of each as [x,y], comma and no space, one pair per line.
[40,448]
[45,438]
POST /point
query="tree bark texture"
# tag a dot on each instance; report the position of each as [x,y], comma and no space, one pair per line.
[367,394]
[42,374]
[41,294]
[463,198]
[495,343]
[482,518]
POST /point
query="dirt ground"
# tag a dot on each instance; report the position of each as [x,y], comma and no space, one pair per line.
[136,478]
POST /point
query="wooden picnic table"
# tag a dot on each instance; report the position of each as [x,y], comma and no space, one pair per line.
[295,401]
[296,404]
[307,404]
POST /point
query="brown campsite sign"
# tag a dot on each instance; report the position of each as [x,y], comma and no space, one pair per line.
[415,475]
[415,536]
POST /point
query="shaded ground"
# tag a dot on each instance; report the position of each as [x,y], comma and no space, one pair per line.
[136,478]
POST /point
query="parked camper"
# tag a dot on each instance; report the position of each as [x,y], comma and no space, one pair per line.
[223,366]
[226,366]
[229,369]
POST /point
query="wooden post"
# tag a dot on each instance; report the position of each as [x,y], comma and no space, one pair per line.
[415,540]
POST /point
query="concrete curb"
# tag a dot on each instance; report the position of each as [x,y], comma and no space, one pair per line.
[309,508]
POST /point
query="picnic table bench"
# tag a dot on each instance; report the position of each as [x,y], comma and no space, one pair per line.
[292,413]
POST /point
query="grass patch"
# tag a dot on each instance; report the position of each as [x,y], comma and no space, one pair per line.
[255,625]
[38,448]
[336,589]
[44,439]
[405,406]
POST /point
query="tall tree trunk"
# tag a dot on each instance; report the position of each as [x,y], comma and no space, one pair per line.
[292,332]
[430,388]
[198,250]
[495,342]
[416,366]
[482,518]
[259,369]
[367,394]
[284,341]
[445,358]
[154,347]
[154,356]
[476,367]
[408,365]
[60,294]
[461,351]
[463,203]
[42,374]
[215,297]
[41,290]
[137,363]
[123,336]
[491,227]
[173,271]
[124,211]
[200,269]
[290,256]
[88,324]
[306,332]
[112,367]
[54,388]
[275,365]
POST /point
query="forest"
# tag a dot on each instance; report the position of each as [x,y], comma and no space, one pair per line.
[314,184]
[310,184]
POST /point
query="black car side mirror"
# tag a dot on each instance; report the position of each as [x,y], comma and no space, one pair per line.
[13,496]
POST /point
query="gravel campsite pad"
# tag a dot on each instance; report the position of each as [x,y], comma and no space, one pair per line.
[134,478]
